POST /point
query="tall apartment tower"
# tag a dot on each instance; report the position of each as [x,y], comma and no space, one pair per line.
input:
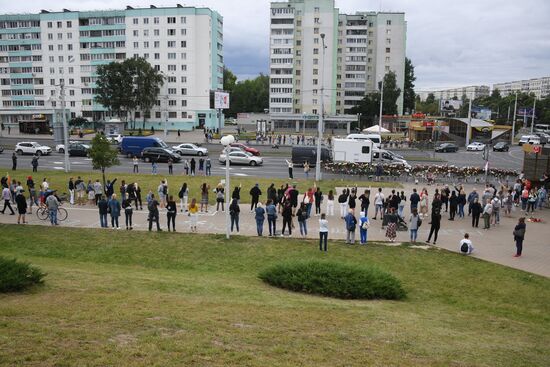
[358,51]
[38,51]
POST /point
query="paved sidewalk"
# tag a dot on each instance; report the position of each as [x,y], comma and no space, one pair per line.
[495,245]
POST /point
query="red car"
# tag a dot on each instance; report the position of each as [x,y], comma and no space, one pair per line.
[246,148]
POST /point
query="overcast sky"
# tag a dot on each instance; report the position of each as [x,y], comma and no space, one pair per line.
[451,43]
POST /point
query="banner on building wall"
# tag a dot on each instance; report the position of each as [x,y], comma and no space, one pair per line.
[447,105]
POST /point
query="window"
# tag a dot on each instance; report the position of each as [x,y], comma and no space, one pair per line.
[183,91]
[145,33]
[184,68]
[136,44]
[172,44]
[387,59]
[172,91]
[315,71]
[60,36]
[183,31]
[157,44]
[71,70]
[145,20]
[388,50]
[59,24]
[387,68]
[156,32]
[60,58]
[172,114]
[183,44]
[171,20]
[69,36]
[171,32]
[316,21]
[315,81]
[136,20]
[365,150]
[316,51]
[71,92]
[171,67]
[146,56]
[184,79]
[136,33]
[316,41]
[388,22]
[183,114]
[388,41]
[183,20]
[59,47]
[50,47]
[156,20]
[50,24]
[157,56]
[69,24]
[172,102]
[146,44]
[316,30]
[157,114]
[171,56]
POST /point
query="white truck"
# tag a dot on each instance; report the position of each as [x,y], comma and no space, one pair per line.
[352,150]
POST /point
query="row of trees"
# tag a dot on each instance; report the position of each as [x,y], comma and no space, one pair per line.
[250,95]
[502,107]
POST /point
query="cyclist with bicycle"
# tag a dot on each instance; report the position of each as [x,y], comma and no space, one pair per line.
[53,205]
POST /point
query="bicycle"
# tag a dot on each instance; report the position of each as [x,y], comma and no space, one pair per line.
[43,213]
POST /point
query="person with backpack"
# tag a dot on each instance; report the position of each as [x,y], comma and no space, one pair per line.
[497,203]
[271,211]
[171,212]
[487,212]
[323,232]
[301,214]
[183,195]
[465,245]
[234,211]
[260,218]
[364,225]
[351,224]
[236,194]
[128,212]
[220,197]
[414,224]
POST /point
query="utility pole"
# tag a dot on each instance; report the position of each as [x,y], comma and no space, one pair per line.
[468,130]
[320,125]
[533,118]
[514,120]
[380,114]
[65,130]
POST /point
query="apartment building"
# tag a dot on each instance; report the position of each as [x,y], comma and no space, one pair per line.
[473,91]
[39,52]
[539,86]
[313,47]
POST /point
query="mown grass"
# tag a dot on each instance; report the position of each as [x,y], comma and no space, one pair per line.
[59,181]
[140,299]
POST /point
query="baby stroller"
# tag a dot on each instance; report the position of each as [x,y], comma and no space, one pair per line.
[401,224]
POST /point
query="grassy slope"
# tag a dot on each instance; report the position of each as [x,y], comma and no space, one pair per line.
[170,300]
[59,180]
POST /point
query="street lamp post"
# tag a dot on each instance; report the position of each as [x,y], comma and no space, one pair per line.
[320,125]
[533,118]
[65,129]
[514,120]
[380,114]
[226,142]
[468,129]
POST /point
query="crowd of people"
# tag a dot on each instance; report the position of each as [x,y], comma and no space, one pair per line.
[114,199]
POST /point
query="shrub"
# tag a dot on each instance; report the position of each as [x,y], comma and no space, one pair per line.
[334,280]
[16,276]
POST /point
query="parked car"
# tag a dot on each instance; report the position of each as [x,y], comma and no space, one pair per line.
[115,138]
[475,146]
[79,149]
[190,149]
[1,149]
[447,148]
[32,147]
[242,158]
[159,155]
[246,148]
[132,146]
[501,146]
[529,139]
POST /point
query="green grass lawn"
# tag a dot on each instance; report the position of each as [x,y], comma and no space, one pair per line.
[59,180]
[113,298]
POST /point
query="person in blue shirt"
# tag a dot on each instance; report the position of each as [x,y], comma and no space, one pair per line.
[114,209]
[271,211]
[363,227]
[351,224]
[260,217]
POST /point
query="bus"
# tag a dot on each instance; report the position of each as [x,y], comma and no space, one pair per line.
[542,128]
[36,125]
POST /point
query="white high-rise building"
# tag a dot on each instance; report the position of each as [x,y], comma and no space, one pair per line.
[39,51]
[358,51]
[473,91]
[539,86]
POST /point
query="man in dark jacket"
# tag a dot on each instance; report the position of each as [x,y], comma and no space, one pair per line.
[255,193]
[103,207]
[153,208]
[110,188]
[414,199]
[14,162]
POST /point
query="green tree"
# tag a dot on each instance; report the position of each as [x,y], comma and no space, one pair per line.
[229,80]
[430,98]
[251,95]
[102,154]
[128,86]
[408,87]
[391,94]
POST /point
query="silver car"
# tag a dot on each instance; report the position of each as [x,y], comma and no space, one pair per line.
[190,149]
[241,158]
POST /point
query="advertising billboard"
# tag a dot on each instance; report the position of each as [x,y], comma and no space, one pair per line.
[450,105]
[482,113]
[219,100]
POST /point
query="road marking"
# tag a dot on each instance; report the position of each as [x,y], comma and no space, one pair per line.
[57,162]
[241,174]
[58,168]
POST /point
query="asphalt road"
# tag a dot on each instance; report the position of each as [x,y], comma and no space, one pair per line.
[274,160]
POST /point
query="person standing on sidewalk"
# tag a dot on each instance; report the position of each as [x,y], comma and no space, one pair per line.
[318,197]
[21,203]
[255,193]
[114,210]
[475,210]
[192,165]
[98,191]
[379,204]
[290,168]
[234,212]
[414,223]
[351,224]
[461,203]
[170,166]
[435,225]
[519,235]
[103,208]
[34,163]
[323,233]
[306,169]
[33,200]
[128,212]
[271,211]
[287,218]
[153,207]
[343,202]
[487,211]
[204,197]
[364,225]
[193,214]
[414,199]
[171,211]
[330,203]
[6,196]
[301,214]
[220,197]
[71,191]
[391,228]
[453,205]
[208,165]
[53,205]
[260,217]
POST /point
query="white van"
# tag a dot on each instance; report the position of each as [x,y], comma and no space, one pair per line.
[542,128]
[375,138]
[529,139]
[351,150]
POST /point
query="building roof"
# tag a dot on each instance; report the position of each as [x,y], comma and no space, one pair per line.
[475,122]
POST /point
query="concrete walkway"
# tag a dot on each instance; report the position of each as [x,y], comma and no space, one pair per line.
[495,245]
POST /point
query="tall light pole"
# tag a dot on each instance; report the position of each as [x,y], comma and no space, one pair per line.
[65,129]
[320,124]
[533,118]
[226,142]
[514,120]
[380,114]
[469,128]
